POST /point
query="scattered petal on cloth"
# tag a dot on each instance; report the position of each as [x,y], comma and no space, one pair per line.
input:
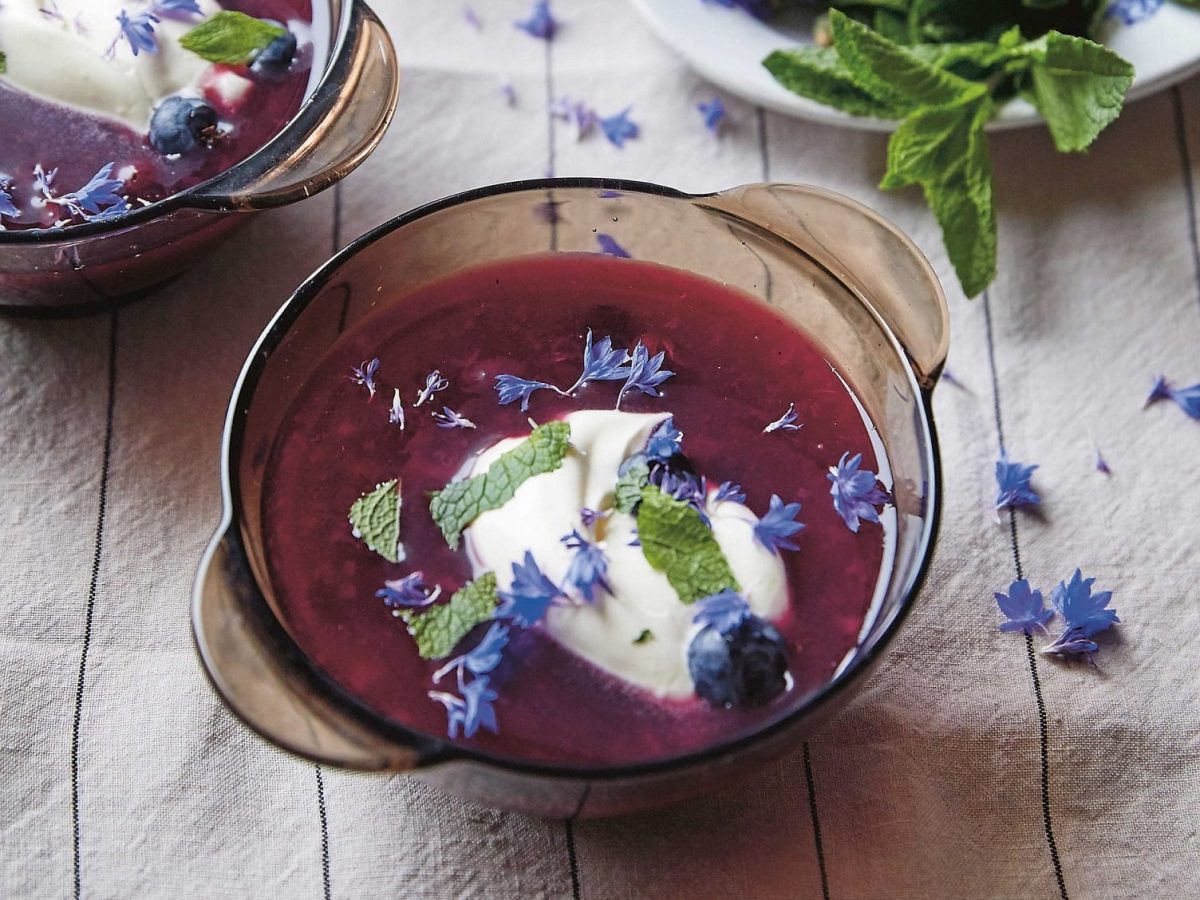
[1024,608]
[1187,399]
[540,24]
[713,113]
[1086,615]
[1012,484]
[620,128]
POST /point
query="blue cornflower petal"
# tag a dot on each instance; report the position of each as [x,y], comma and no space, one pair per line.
[176,8]
[588,568]
[540,24]
[774,529]
[456,711]
[472,18]
[530,596]
[1086,615]
[396,413]
[610,247]
[94,198]
[434,382]
[664,442]
[139,31]
[1102,464]
[7,207]
[855,492]
[1023,607]
[619,128]
[713,112]
[488,652]
[479,711]
[786,422]
[728,491]
[364,374]
[645,373]
[448,418]
[1187,399]
[1012,484]
[510,389]
[1130,12]
[723,612]
[409,591]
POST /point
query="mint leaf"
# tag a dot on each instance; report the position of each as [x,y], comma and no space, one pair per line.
[454,507]
[645,637]
[888,71]
[438,630]
[628,493]
[676,541]
[1078,86]
[376,519]
[3,63]
[229,37]
[819,74]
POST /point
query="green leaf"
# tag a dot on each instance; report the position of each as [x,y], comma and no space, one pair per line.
[229,37]
[376,519]
[3,63]
[889,72]
[645,637]
[628,493]
[1078,86]
[438,630]
[676,541]
[460,502]
[819,74]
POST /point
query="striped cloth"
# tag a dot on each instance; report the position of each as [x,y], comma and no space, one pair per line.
[969,766]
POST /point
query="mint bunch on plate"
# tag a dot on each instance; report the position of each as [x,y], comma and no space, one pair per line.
[937,68]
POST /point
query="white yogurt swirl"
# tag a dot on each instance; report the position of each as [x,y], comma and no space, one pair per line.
[547,507]
[70,52]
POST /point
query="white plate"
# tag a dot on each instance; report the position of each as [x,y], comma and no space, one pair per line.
[727,46]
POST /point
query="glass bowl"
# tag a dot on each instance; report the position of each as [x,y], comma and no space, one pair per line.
[92,265]
[847,277]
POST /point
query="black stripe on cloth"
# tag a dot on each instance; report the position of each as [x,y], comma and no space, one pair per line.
[573,859]
[1043,725]
[325,883]
[1189,187]
[93,581]
[816,821]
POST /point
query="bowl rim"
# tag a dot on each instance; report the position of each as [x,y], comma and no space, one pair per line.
[184,199]
[434,750]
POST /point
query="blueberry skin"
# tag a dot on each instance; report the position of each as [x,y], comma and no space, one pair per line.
[178,123]
[744,668]
[277,55]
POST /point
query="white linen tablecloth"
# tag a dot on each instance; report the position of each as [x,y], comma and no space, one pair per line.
[967,767]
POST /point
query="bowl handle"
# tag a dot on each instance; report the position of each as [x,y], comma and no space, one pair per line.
[332,134]
[866,252]
[265,686]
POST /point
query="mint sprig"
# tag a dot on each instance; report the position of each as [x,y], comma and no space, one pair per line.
[376,519]
[232,38]
[458,504]
[945,94]
[438,630]
[628,492]
[677,543]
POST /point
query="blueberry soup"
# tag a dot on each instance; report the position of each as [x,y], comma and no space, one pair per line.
[576,510]
[110,105]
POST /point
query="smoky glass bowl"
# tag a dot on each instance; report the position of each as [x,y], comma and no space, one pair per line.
[858,287]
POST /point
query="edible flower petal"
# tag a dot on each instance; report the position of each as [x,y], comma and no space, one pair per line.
[1130,12]
[619,128]
[448,418]
[434,382]
[456,711]
[531,594]
[540,24]
[610,247]
[601,362]
[1023,607]
[1101,463]
[410,592]
[175,8]
[645,373]
[509,92]
[713,113]
[488,652]
[664,442]
[479,710]
[728,491]
[588,568]
[510,389]
[854,491]
[723,612]
[7,207]
[396,414]
[364,374]
[1085,614]
[578,113]
[99,195]
[774,529]
[1012,484]
[472,18]
[138,31]
[786,422]
[1187,399]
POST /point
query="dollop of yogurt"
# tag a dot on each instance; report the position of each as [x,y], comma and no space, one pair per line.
[71,52]
[547,507]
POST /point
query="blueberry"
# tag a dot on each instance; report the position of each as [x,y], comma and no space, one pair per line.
[277,55]
[745,667]
[179,123]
